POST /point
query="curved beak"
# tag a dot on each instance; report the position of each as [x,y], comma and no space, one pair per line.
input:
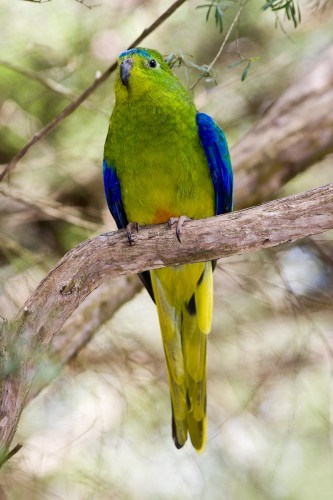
[125,70]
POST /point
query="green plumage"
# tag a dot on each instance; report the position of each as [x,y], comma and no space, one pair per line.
[154,149]
[154,145]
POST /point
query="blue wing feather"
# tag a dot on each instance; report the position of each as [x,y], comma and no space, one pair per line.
[113,195]
[217,154]
[116,207]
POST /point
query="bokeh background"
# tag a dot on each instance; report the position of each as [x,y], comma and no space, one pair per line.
[102,429]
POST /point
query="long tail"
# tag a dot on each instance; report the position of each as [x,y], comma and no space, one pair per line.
[184,300]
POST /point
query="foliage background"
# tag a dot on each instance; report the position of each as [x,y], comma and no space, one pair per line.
[102,429]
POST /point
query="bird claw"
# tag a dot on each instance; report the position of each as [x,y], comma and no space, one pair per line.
[129,229]
[180,222]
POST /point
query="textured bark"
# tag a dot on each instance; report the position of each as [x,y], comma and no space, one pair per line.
[294,133]
[27,339]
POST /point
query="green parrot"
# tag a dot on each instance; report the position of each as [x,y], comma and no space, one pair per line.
[162,161]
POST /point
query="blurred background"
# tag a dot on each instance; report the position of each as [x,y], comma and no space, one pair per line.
[102,429]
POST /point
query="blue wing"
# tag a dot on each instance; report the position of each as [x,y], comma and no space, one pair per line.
[116,207]
[217,154]
[113,195]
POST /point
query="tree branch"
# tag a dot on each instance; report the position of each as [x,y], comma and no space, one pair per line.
[88,91]
[27,339]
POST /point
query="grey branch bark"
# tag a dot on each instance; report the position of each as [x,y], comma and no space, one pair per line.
[294,133]
[26,341]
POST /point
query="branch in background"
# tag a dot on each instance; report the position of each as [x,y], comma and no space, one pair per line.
[82,97]
[27,340]
[50,208]
[294,133]
[47,82]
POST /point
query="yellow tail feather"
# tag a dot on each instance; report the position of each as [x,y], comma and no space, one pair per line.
[184,299]
[204,299]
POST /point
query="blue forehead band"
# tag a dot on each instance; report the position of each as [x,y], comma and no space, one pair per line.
[131,52]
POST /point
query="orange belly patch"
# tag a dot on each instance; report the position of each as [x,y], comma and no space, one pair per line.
[161,216]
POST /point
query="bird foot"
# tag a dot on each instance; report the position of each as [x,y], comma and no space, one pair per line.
[131,226]
[180,222]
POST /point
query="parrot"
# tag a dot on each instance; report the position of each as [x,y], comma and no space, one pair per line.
[165,162]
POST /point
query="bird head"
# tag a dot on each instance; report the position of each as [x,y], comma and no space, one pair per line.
[141,71]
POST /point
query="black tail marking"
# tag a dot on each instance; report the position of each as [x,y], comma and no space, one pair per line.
[191,307]
[174,432]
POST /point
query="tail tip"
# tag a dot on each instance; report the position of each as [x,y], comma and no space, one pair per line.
[177,444]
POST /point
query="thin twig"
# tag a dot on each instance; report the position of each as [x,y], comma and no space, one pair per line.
[45,81]
[49,84]
[210,66]
[241,7]
[99,79]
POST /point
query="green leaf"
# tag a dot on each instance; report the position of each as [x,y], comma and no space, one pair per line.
[219,17]
[208,12]
[237,63]
[290,7]
[219,7]
[246,70]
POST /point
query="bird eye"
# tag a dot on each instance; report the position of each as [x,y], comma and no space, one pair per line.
[152,63]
